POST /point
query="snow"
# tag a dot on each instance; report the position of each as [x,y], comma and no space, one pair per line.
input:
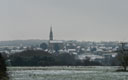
[66,73]
[56,41]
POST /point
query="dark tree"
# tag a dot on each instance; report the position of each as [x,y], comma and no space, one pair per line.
[66,59]
[32,58]
[3,69]
[43,46]
[42,58]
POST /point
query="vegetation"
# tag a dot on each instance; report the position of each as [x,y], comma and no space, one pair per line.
[67,73]
[42,58]
[3,69]
[123,56]
[43,46]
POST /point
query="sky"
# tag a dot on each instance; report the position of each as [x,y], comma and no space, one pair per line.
[84,20]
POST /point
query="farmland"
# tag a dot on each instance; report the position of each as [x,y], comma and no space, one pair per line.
[66,73]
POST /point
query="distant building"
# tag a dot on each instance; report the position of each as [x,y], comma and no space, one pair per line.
[54,45]
[51,34]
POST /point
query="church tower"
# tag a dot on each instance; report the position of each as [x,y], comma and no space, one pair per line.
[51,34]
[54,45]
[50,39]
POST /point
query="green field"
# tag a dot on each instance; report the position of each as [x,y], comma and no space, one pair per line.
[66,73]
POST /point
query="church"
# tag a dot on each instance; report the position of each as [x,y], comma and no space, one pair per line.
[54,45]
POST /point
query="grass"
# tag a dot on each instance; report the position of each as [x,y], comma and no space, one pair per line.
[67,73]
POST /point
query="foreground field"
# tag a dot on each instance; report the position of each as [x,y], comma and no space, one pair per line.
[66,73]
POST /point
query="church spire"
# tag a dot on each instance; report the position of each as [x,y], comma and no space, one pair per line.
[51,34]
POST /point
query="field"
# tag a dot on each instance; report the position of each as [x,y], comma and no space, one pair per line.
[66,73]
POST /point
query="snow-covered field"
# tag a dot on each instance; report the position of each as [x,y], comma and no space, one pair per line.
[66,73]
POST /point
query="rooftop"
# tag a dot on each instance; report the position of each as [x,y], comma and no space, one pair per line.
[56,41]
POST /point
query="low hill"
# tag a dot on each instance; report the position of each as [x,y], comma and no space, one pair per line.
[32,42]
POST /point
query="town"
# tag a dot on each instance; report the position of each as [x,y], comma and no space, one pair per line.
[102,52]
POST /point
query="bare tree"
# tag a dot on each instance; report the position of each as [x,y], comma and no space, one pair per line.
[123,56]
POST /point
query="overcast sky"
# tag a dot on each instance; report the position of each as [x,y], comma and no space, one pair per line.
[88,20]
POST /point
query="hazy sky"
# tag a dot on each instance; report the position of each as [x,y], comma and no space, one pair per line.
[94,20]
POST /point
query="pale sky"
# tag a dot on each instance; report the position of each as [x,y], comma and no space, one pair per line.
[88,20]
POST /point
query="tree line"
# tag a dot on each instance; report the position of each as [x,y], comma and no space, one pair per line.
[42,58]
